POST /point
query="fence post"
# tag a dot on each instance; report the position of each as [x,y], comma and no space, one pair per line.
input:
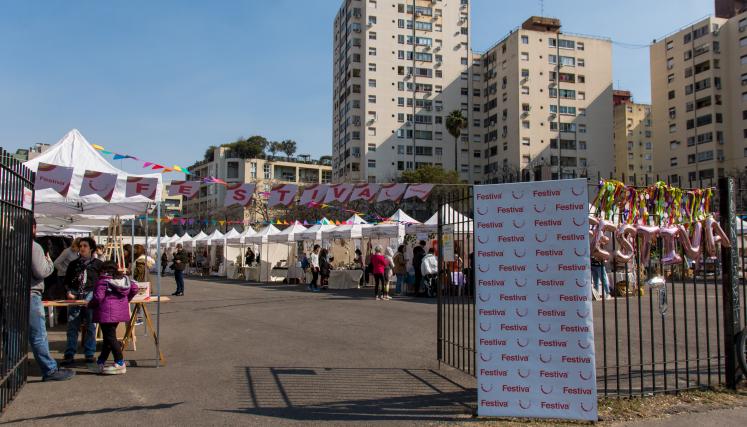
[729,277]
[440,302]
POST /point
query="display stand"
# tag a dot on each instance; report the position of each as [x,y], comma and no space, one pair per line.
[114,247]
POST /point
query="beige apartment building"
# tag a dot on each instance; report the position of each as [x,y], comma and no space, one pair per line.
[547,105]
[399,68]
[263,172]
[633,136]
[699,97]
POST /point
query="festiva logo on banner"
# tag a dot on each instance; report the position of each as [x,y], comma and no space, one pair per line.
[393,192]
[98,183]
[239,193]
[187,189]
[283,194]
[139,186]
[57,178]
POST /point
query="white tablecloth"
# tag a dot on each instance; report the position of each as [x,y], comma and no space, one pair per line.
[344,279]
[251,274]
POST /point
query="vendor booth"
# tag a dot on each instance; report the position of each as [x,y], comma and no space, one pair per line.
[291,269]
[269,254]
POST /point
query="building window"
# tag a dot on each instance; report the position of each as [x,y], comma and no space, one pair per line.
[524,56]
[371,20]
[670,45]
[524,39]
[232,170]
[671,95]
[371,51]
[371,83]
[670,78]
[673,161]
[371,131]
[372,35]
[371,66]
[670,63]
[525,141]
[525,90]
[580,46]
[371,163]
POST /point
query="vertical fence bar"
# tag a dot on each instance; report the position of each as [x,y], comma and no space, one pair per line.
[729,286]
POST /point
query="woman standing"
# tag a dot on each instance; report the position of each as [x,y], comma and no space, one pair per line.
[400,268]
[164,262]
[378,268]
[324,268]
[388,272]
[143,264]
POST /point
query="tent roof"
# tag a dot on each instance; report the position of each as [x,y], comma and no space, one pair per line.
[261,235]
[348,231]
[314,232]
[287,235]
[355,219]
[74,151]
[215,235]
[402,218]
[232,234]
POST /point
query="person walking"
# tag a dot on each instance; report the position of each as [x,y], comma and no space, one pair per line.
[110,305]
[400,268]
[41,267]
[180,263]
[325,266]
[418,253]
[80,280]
[164,263]
[314,261]
[429,271]
[378,268]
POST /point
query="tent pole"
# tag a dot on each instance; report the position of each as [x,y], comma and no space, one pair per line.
[158,285]
[147,230]
[132,250]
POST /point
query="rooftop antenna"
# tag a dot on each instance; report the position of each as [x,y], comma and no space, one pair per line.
[542,7]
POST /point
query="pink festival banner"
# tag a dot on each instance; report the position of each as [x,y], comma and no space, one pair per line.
[239,194]
[535,331]
[365,192]
[187,189]
[283,194]
[421,191]
[392,192]
[99,183]
[57,178]
[314,193]
[338,193]
[138,186]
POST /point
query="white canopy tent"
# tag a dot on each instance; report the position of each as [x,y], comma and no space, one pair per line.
[73,150]
[314,233]
[214,237]
[231,235]
[393,227]
[267,254]
[288,235]
[462,223]
[192,242]
[353,229]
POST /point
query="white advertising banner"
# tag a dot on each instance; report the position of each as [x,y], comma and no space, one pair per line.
[534,315]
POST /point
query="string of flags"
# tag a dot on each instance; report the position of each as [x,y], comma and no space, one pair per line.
[152,165]
[372,219]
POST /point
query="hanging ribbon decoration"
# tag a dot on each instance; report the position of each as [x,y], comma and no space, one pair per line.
[152,165]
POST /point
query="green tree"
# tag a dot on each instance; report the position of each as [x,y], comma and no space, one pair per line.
[430,174]
[273,147]
[455,122]
[210,153]
[288,147]
[245,148]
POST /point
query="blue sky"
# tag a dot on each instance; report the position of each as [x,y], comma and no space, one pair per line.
[163,80]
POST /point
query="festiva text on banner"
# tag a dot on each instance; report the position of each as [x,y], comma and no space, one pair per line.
[535,332]
[187,189]
[313,194]
[393,192]
[338,193]
[57,178]
[239,193]
[99,183]
[283,194]
[138,186]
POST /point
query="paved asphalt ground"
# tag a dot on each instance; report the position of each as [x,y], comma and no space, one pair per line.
[256,355]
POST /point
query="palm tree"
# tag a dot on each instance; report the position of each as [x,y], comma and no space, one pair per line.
[288,147]
[455,122]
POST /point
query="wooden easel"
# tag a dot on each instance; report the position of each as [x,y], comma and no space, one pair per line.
[114,247]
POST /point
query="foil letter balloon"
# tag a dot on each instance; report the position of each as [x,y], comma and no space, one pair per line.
[691,242]
[714,235]
[669,236]
[600,240]
[648,234]
[625,235]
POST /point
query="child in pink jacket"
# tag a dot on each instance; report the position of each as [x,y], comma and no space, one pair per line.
[110,304]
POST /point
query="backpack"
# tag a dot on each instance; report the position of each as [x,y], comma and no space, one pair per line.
[305,263]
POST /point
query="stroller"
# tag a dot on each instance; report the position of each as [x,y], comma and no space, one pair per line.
[430,285]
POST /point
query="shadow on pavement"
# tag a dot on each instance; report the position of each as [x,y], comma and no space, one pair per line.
[98,411]
[353,394]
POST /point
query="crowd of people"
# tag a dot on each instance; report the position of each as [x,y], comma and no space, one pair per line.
[104,290]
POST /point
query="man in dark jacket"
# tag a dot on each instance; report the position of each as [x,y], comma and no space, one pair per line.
[180,263]
[80,281]
[418,253]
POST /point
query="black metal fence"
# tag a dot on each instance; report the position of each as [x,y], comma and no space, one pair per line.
[16,198]
[648,340]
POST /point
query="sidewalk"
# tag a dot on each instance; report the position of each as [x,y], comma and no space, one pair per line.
[736,417]
[265,355]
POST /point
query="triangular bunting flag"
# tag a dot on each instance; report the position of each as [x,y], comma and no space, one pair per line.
[97,147]
[157,167]
[146,164]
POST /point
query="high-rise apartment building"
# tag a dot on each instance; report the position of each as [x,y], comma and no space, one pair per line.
[399,68]
[730,8]
[633,136]
[699,97]
[547,105]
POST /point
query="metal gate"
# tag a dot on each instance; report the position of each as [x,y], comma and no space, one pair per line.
[16,199]
[640,348]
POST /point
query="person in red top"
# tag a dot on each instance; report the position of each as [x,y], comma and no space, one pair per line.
[378,267]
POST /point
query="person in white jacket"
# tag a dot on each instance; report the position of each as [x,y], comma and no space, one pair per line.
[429,269]
[64,259]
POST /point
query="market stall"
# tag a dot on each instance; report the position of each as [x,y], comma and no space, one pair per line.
[269,254]
[291,270]
[344,239]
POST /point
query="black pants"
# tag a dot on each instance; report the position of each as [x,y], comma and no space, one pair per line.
[418,282]
[314,278]
[111,344]
[379,280]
